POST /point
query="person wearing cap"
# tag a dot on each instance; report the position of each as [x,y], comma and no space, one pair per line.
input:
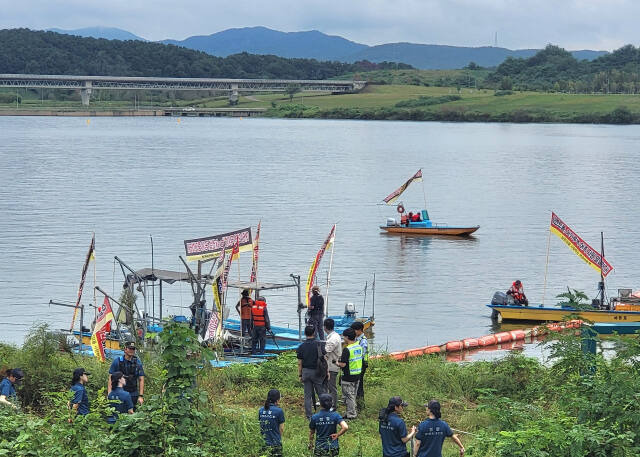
[80,402]
[393,430]
[324,425]
[351,363]
[132,368]
[432,432]
[261,323]
[316,311]
[119,398]
[8,395]
[361,339]
[271,419]
[333,348]
[244,310]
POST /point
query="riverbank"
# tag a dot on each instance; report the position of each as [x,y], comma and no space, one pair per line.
[379,102]
[575,405]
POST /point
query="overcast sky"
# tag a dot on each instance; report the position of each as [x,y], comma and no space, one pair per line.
[572,24]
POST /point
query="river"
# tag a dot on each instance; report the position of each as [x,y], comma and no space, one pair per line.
[175,179]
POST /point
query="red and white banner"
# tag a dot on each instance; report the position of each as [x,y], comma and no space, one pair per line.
[211,247]
[85,267]
[256,246]
[393,196]
[580,247]
[103,323]
[311,278]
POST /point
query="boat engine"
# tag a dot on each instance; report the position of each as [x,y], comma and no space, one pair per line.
[350,310]
[499,298]
[391,222]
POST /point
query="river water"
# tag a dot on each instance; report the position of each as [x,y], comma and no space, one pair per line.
[126,179]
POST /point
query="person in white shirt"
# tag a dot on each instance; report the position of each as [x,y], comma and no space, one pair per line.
[333,347]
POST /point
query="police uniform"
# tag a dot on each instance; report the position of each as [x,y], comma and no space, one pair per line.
[132,370]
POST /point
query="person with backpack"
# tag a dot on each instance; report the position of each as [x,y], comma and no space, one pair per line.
[271,419]
[131,367]
[393,430]
[312,368]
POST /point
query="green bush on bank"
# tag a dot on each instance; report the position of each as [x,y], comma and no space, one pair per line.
[576,405]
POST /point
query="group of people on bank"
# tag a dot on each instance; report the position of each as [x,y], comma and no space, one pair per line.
[125,386]
[327,425]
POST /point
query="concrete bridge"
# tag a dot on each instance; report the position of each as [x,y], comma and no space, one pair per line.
[231,86]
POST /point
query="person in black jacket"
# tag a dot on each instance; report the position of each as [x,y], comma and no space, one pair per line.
[307,354]
[316,312]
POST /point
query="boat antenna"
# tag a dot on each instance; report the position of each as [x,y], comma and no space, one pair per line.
[601,283]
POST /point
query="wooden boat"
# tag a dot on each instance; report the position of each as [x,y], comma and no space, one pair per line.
[427,228]
[541,313]
[422,226]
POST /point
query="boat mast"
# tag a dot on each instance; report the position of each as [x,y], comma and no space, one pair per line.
[424,195]
[601,283]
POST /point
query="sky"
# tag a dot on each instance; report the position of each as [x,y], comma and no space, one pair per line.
[571,24]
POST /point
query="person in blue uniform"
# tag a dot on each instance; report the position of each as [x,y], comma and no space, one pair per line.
[131,366]
[393,430]
[324,425]
[432,432]
[119,398]
[8,395]
[80,402]
[271,419]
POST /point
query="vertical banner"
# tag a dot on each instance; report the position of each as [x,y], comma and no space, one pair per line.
[85,267]
[103,323]
[580,247]
[311,278]
[256,247]
[393,196]
[214,327]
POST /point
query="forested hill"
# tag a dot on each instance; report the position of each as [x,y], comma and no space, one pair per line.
[553,68]
[37,52]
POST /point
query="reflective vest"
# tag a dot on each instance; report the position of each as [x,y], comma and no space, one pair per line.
[355,359]
[257,312]
[245,307]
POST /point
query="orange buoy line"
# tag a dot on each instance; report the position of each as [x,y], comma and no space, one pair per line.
[484,341]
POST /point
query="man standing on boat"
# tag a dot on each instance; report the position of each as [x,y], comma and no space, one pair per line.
[517,292]
[361,339]
[316,311]
[333,347]
[244,309]
[261,323]
[131,367]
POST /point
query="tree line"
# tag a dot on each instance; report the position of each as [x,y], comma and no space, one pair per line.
[555,69]
[37,52]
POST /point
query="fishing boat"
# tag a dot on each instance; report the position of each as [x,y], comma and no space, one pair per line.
[419,223]
[624,308]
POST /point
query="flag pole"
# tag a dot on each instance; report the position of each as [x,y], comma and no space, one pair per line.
[546,268]
[95,302]
[326,303]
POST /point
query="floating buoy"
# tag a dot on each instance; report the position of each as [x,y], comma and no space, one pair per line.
[517,335]
[470,343]
[432,349]
[454,346]
[503,337]
[488,340]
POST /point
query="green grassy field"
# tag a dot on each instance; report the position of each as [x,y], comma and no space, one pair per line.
[379,102]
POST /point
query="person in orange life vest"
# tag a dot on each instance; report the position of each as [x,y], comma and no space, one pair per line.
[244,309]
[261,324]
[409,217]
[517,291]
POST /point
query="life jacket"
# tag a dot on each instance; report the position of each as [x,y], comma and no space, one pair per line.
[257,312]
[355,358]
[517,292]
[415,218]
[245,307]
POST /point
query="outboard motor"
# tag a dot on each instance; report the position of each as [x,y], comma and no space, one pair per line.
[350,310]
[391,222]
[499,298]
